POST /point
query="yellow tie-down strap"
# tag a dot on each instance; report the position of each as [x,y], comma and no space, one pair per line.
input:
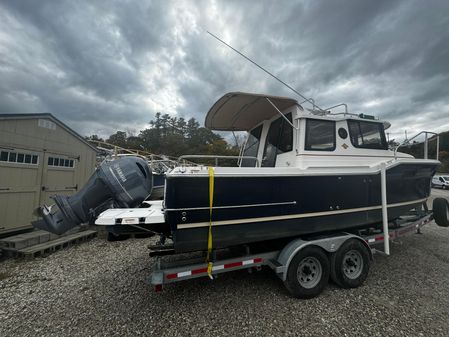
[209,236]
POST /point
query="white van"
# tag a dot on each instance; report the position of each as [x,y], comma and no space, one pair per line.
[441,181]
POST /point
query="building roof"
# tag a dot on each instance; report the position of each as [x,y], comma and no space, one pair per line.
[240,111]
[53,119]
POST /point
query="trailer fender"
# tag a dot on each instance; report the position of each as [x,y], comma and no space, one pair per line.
[329,244]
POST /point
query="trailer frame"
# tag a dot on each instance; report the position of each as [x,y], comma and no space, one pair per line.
[279,260]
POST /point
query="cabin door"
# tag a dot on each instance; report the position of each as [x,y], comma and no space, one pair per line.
[279,141]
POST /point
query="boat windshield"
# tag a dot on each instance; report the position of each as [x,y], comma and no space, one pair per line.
[252,147]
[367,135]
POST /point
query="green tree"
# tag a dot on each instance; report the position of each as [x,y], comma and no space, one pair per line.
[174,136]
[135,143]
[94,137]
[118,138]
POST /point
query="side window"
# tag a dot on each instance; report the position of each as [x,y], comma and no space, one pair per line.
[367,135]
[320,135]
[286,137]
[279,140]
[252,147]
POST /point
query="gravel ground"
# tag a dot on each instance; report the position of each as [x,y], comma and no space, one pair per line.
[98,289]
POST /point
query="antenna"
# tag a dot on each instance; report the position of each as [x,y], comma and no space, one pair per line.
[311,101]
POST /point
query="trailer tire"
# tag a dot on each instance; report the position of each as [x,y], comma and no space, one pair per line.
[350,264]
[308,273]
[441,212]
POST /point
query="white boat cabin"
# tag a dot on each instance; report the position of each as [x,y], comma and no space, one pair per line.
[281,133]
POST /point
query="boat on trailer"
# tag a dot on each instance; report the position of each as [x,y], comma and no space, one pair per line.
[301,172]
[311,192]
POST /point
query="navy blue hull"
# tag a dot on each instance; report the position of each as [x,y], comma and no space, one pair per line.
[305,204]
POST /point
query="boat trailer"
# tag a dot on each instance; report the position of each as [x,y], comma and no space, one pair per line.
[304,264]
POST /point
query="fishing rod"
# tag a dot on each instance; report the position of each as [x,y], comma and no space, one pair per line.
[311,101]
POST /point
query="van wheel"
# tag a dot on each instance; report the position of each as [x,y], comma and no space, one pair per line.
[308,273]
[350,264]
[441,212]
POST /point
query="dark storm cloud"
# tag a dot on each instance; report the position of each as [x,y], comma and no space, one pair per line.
[107,65]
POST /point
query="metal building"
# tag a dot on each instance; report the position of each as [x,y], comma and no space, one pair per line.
[39,156]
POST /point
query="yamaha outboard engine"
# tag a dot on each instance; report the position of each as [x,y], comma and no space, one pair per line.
[125,182]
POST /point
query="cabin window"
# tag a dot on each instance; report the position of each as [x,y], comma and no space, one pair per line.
[279,140]
[367,135]
[320,135]
[252,147]
[342,133]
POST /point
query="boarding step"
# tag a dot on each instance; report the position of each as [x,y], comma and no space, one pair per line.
[51,246]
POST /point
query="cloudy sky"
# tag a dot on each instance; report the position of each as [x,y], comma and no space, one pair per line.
[102,66]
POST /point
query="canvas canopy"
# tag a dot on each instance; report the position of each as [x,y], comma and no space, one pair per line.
[239,111]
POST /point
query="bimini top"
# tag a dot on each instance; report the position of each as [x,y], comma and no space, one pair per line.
[239,111]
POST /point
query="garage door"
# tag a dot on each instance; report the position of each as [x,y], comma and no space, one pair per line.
[59,176]
[20,176]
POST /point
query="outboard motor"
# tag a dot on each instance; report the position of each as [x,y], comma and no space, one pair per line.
[125,182]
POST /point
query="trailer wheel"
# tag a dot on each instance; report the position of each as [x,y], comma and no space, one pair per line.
[441,212]
[350,264]
[308,273]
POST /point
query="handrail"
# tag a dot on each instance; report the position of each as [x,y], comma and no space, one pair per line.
[426,141]
[207,156]
[309,100]
[336,106]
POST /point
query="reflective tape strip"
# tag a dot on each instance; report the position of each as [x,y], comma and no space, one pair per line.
[218,267]
[214,268]
[185,273]
[378,238]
